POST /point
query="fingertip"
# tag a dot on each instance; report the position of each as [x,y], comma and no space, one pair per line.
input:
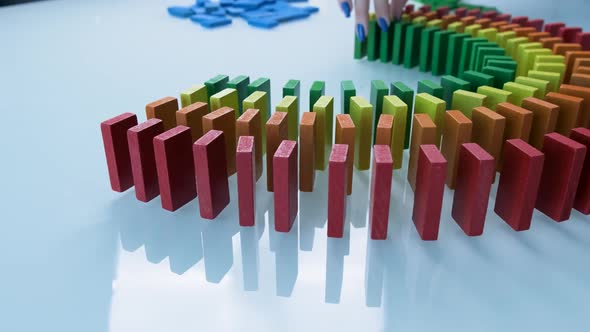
[345,8]
[360,32]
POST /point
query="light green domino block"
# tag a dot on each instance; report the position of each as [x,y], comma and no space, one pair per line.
[472,29]
[489,34]
[216,84]
[550,58]
[494,96]
[512,44]
[552,78]
[434,24]
[225,98]
[434,107]
[458,27]
[262,84]
[318,89]
[521,58]
[259,101]
[395,107]
[503,37]
[326,105]
[290,105]
[529,59]
[541,85]
[240,83]
[466,101]
[193,95]
[420,20]
[558,68]
[519,92]
[361,112]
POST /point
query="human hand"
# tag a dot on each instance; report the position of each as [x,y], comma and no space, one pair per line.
[385,10]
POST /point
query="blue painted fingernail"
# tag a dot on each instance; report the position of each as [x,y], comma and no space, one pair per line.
[383,24]
[360,32]
[345,8]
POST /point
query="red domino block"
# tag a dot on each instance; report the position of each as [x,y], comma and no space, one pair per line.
[582,200]
[461,12]
[285,185]
[442,11]
[491,14]
[553,28]
[211,173]
[174,163]
[143,161]
[337,185]
[522,20]
[408,9]
[428,196]
[474,12]
[519,184]
[503,17]
[381,176]
[116,149]
[425,8]
[564,159]
[583,38]
[474,180]
[246,169]
[536,23]
[568,33]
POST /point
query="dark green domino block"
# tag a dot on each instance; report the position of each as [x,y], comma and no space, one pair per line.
[406,94]
[373,41]
[501,75]
[477,79]
[433,89]
[451,84]
[293,88]
[360,48]
[496,57]
[482,52]
[216,84]
[262,84]
[378,91]
[465,56]
[476,46]
[440,45]
[426,41]
[240,83]
[454,52]
[411,49]
[318,89]
[347,90]
[386,44]
[399,42]
[506,64]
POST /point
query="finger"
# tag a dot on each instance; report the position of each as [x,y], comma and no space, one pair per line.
[382,13]
[345,6]
[361,13]
[397,8]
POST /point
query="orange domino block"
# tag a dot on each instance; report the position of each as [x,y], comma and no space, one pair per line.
[524,31]
[192,117]
[448,19]
[580,92]
[584,70]
[248,124]
[307,131]
[570,59]
[484,22]
[581,62]
[431,16]
[423,132]
[488,131]
[224,119]
[456,131]
[550,42]
[498,24]
[563,48]
[580,80]
[536,36]
[569,111]
[384,130]
[163,109]
[345,135]
[508,27]
[544,119]
[468,20]
[276,131]
[518,123]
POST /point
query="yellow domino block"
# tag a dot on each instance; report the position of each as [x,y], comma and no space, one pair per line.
[225,98]
[361,112]
[258,100]
[394,106]
[289,105]
[324,109]
[193,95]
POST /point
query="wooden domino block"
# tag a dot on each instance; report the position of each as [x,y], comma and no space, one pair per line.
[246,174]
[224,119]
[411,49]
[406,95]
[240,84]
[542,86]
[519,92]
[216,84]
[384,130]
[426,49]
[337,188]
[428,196]
[580,92]
[143,160]
[307,131]
[553,28]
[431,88]
[454,52]
[583,38]
[197,93]
[435,108]
[440,45]
[211,173]
[582,200]
[466,101]
[423,132]
[293,88]
[450,84]
[261,84]
[289,105]
[570,58]
[347,90]
[345,133]
[373,39]
[569,111]
[248,124]
[225,98]
[518,123]
[568,33]
[399,42]
[258,100]
[318,89]
[458,130]
[488,131]
[493,96]
[477,79]
[549,42]
[584,70]
[563,48]
[544,119]
[116,148]
[582,80]
[163,109]
[378,91]
[536,36]
[361,113]
[552,78]
[277,131]
[519,184]
[395,107]
[192,116]
[564,159]
[174,163]
[503,17]
[381,177]
[285,178]
[324,108]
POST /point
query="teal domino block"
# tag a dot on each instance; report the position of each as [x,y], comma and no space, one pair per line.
[378,91]
[465,57]
[373,36]
[386,44]
[399,42]
[318,89]
[411,49]
[293,88]
[406,94]
[360,48]
[262,84]
[440,46]
[482,52]
[488,58]
[216,84]
[454,52]
[347,91]
[450,84]
[501,75]
[426,41]
[427,86]
[477,79]
[506,64]
[240,83]
[474,48]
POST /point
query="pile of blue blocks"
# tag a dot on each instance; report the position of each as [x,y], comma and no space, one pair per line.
[265,14]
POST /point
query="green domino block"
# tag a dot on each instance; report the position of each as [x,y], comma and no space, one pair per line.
[293,88]
[373,39]
[501,75]
[475,51]
[193,95]
[437,23]
[259,101]
[450,84]
[289,105]
[541,85]
[529,59]
[318,89]
[519,92]
[216,84]
[413,34]
[427,86]
[378,91]
[361,113]
[395,107]
[262,84]
[494,96]
[472,29]
[552,78]
[551,67]
[550,58]
[347,90]
[465,57]
[240,83]
[426,42]
[489,34]
[324,109]
[488,58]
[386,44]
[477,79]
[520,56]
[466,101]
[511,64]
[434,107]
[439,51]
[503,37]
[453,53]
[486,51]
[399,42]
[225,98]
[406,94]
[360,48]
[512,44]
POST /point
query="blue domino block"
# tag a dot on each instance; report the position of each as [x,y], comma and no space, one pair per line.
[234,11]
[181,12]
[209,21]
[218,12]
[311,9]
[265,23]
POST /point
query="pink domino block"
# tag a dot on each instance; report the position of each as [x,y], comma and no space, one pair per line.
[211,173]
[564,159]
[461,12]
[475,172]
[116,149]
[174,163]
[381,175]
[491,14]
[245,167]
[522,20]
[536,23]
[582,200]
[442,11]
[519,184]
[553,28]
[502,17]
[428,196]
[583,38]
[143,160]
[284,164]
[568,34]
[408,9]
[474,12]
[337,185]
[425,8]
